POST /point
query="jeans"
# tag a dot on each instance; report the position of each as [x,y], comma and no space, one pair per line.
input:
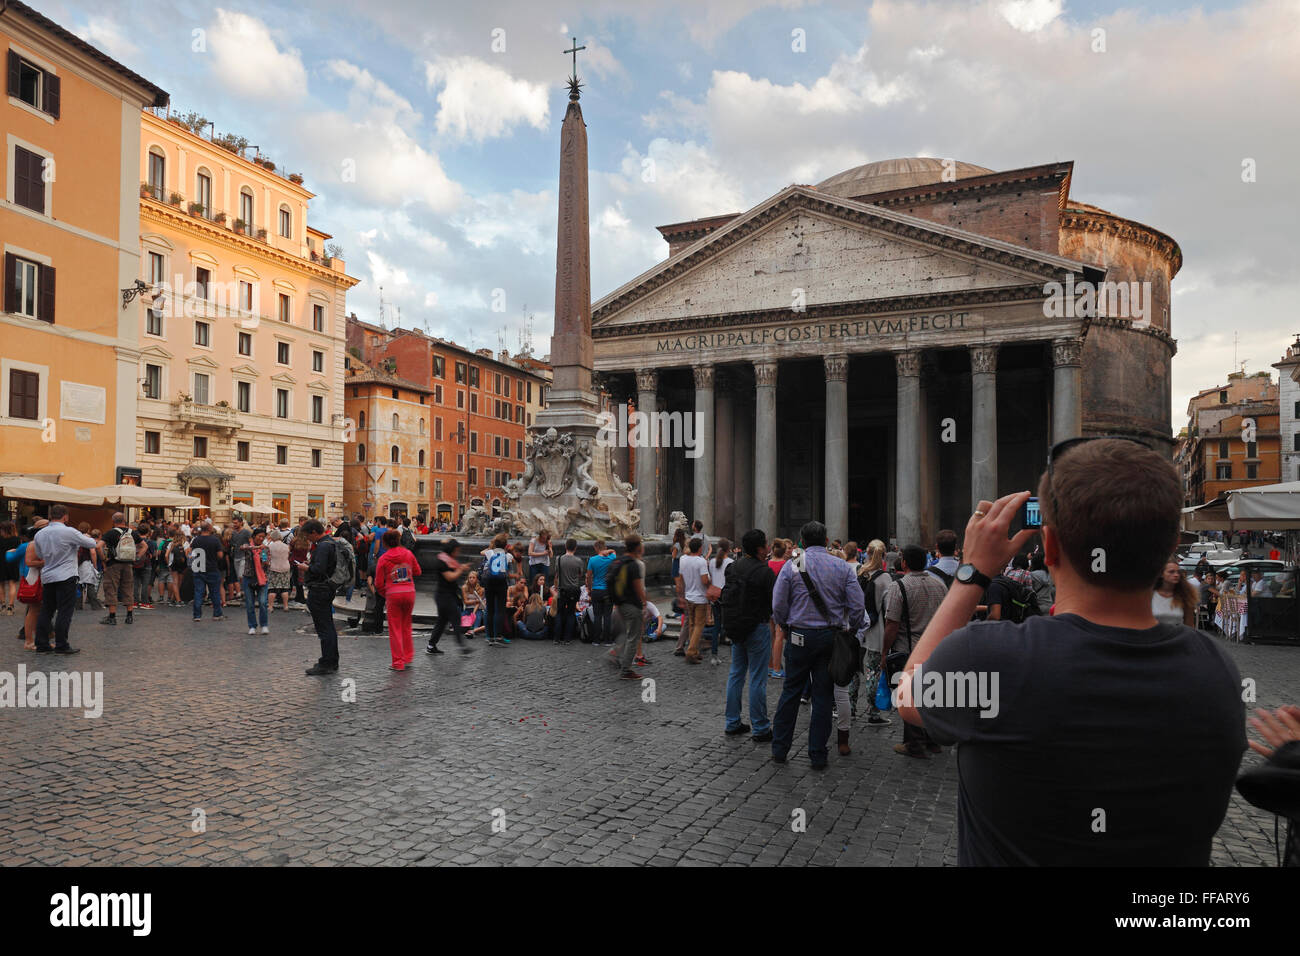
[143,584]
[255,597]
[602,612]
[57,602]
[495,592]
[212,581]
[448,616]
[803,662]
[566,615]
[320,603]
[749,660]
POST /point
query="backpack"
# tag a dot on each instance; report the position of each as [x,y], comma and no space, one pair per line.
[617,581]
[1021,600]
[868,583]
[344,570]
[178,558]
[124,550]
[942,575]
[408,540]
[496,566]
[732,602]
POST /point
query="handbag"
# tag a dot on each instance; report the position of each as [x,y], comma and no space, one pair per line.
[884,699]
[29,593]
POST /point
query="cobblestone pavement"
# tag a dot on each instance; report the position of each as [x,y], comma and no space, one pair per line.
[542,739]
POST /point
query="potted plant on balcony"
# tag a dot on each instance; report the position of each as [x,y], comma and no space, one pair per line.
[176,199]
[268,165]
[219,217]
[196,209]
[261,234]
[184,397]
[146,191]
[238,225]
[223,404]
[295,178]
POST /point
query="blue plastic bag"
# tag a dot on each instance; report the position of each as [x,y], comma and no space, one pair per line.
[883,699]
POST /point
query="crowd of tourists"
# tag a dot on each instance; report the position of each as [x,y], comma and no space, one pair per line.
[1054,673]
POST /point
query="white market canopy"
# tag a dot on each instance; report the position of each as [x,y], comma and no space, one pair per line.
[1266,508]
[134,495]
[34,489]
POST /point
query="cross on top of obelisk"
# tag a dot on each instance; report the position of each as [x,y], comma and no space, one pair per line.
[574,85]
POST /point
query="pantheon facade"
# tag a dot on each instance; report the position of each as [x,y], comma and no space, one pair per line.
[885,348]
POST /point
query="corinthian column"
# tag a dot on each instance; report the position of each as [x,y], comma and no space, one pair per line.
[647,387]
[704,447]
[1067,408]
[837,447]
[907,473]
[984,423]
[765,450]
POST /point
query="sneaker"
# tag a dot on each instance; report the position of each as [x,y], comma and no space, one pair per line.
[111,620]
[713,659]
[805,700]
[317,669]
[878,721]
[907,751]
[146,607]
[434,650]
[835,713]
[252,630]
[629,675]
[394,667]
[762,738]
[740,729]
[198,620]
[66,650]
[129,618]
[776,675]
[266,630]
[642,660]
[218,617]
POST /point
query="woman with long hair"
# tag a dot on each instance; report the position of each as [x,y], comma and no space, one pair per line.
[471,601]
[9,575]
[532,620]
[174,555]
[780,554]
[875,581]
[1174,599]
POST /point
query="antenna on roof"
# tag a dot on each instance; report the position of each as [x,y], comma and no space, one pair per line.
[399,316]
[381,308]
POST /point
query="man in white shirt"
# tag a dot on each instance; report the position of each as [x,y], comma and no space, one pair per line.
[57,545]
[693,571]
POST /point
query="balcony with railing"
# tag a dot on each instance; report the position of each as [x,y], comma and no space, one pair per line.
[201,127]
[191,414]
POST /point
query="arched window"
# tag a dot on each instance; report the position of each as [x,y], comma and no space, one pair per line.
[246,208]
[158,173]
[396,455]
[397,422]
[361,453]
[421,457]
[361,419]
[286,221]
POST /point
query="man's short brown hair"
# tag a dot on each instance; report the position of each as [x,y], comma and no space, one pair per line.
[1115,506]
[632,542]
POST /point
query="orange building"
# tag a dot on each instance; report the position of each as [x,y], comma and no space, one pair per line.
[482,407]
[1233,438]
[386,471]
[242,347]
[70,227]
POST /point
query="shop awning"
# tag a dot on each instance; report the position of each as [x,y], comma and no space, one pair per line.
[1265,508]
[36,490]
[142,497]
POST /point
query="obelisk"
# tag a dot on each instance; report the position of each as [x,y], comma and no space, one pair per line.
[572,401]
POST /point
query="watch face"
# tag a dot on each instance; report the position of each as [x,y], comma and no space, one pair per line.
[966,573]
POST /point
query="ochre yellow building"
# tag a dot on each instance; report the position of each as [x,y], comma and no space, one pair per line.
[69,224]
[243,343]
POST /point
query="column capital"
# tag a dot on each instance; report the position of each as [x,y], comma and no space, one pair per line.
[837,367]
[983,359]
[1067,352]
[765,373]
[908,364]
[703,375]
[647,379]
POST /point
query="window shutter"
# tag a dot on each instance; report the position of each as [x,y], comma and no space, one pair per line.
[45,310]
[13,73]
[11,281]
[22,174]
[51,98]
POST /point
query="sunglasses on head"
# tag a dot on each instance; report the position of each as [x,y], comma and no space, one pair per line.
[1061,447]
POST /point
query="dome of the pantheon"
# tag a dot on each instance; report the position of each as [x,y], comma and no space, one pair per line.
[890,174]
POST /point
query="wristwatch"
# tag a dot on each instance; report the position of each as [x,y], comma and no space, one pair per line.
[967,574]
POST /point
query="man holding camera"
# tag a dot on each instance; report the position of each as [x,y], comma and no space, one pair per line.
[1107,738]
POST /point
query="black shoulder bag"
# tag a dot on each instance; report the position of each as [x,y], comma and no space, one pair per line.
[846,652]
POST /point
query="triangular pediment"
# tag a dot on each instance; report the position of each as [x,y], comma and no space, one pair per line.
[284,378]
[318,385]
[803,249]
[246,370]
[202,361]
[155,352]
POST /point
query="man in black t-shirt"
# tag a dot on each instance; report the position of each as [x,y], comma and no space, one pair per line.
[1097,736]
[625,583]
[447,572]
[205,554]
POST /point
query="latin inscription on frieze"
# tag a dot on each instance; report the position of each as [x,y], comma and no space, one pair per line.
[859,330]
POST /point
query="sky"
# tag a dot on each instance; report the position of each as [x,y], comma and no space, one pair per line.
[449,114]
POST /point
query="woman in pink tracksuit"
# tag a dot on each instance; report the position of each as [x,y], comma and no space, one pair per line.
[395,576]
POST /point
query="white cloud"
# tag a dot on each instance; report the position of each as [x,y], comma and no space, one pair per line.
[1030,16]
[247,61]
[479,100]
[108,36]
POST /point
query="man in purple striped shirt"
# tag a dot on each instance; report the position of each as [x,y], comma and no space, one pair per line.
[812,635]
